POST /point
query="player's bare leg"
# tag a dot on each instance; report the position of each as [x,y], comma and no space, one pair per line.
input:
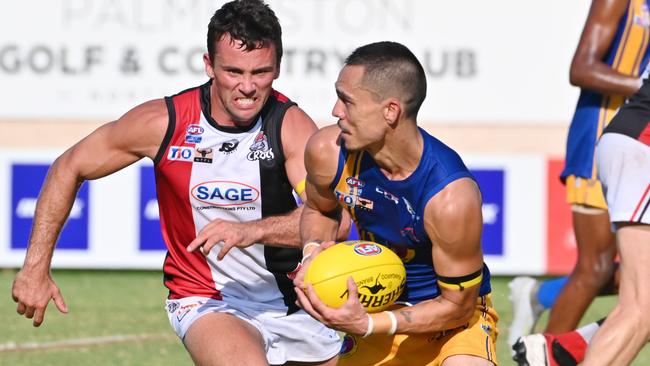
[627,328]
[223,339]
[593,271]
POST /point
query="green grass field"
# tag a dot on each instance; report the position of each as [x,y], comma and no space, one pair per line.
[120,315]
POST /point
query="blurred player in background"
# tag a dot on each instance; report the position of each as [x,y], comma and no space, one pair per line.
[407,190]
[623,158]
[228,155]
[608,66]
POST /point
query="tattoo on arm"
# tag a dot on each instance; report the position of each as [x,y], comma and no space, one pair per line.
[406,314]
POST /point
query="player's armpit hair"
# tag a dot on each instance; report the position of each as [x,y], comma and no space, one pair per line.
[462,282]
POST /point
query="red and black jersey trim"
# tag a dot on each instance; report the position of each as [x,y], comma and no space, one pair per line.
[171,126]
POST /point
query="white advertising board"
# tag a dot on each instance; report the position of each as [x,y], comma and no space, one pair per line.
[114,221]
[503,61]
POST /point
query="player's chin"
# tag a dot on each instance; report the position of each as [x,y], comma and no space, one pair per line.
[350,143]
[246,116]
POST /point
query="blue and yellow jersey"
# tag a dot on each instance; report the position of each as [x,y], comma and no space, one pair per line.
[628,54]
[392,212]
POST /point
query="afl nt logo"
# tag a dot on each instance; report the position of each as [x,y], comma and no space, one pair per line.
[203,155]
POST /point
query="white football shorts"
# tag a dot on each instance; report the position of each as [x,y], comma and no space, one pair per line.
[624,170]
[294,337]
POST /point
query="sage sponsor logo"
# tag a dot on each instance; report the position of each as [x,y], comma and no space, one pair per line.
[225,193]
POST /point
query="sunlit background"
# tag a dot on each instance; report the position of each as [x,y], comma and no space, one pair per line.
[498,93]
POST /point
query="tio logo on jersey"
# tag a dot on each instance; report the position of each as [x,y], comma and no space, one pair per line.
[182,153]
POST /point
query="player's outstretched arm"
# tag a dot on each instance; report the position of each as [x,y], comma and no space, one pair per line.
[454,223]
[109,148]
[588,70]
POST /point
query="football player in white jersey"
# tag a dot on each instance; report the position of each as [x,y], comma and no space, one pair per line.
[216,327]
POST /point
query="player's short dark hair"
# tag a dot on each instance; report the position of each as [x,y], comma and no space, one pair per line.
[391,69]
[250,21]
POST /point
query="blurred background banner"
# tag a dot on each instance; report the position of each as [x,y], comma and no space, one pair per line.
[498,93]
[115,220]
[486,61]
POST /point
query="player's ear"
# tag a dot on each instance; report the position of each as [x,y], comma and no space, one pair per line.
[207,61]
[277,71]
[392,111]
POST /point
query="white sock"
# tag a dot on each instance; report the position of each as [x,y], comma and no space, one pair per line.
[588,331]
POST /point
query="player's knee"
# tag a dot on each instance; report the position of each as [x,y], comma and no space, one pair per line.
[596,272]
[602,270]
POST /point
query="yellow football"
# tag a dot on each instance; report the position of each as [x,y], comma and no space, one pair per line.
[378,272]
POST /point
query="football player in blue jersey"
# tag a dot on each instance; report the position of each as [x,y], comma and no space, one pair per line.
[407,190]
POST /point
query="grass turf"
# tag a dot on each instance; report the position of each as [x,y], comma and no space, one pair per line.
[130,303]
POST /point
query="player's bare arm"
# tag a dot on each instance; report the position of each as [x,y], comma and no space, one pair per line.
[322,217]
[297,128]
[110,148]
[453,221]
[281,230]
[588,70]
[322,212]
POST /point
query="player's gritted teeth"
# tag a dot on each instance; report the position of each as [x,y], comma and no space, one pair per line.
[245,102]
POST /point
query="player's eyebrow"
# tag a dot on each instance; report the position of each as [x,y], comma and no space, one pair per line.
[343,96]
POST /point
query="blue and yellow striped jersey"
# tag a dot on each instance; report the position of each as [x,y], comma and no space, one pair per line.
[628,54]
[392,212]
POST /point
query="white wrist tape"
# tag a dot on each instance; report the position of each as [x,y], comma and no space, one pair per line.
[310,244]
[302,261]
[370,326]
[393,322]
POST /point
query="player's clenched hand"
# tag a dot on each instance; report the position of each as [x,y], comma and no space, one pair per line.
[226,233]
[33,292]
[349,318]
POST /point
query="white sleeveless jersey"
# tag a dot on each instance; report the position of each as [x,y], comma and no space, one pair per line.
[206,172]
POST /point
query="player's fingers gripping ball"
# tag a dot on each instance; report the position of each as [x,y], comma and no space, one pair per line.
[378,272]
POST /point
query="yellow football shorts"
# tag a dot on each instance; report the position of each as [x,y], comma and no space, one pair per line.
[582,191]
[477,338]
